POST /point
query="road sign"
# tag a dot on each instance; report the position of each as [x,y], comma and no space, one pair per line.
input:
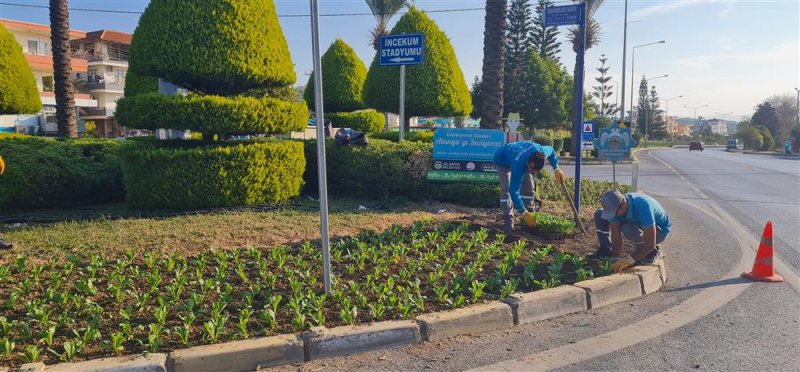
[588,127]
[465,154]
[615,143]
[563,15]
[587,137]
[398,50]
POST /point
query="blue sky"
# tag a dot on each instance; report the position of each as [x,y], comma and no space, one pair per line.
[728,54]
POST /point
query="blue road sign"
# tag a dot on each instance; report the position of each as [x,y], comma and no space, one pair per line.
[615,143]
[563,15]
[587,137]
[406,49]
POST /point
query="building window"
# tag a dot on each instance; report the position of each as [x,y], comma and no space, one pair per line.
[37,47]
[47,84]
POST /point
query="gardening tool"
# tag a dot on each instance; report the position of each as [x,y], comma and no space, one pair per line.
[564,191]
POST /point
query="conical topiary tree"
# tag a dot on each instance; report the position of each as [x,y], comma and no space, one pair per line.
[232,57]
[343,76]
[18,92]
[436,87]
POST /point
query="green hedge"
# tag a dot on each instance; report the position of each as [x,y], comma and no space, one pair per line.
[367,121]
[212,114]
[18,92]
[185,174]
[43,172]
[222,47]
[421,136]
[136,84]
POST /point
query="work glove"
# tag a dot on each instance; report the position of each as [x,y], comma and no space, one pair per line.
[559,174]
[622,263]
[528,219]
[2,166]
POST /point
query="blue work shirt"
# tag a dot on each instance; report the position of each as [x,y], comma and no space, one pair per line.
[515,157]
[644,212]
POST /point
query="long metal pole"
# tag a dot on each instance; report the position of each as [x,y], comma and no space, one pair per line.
[402,100]
[633,65]
[579,104]
[321,168]
[624,49]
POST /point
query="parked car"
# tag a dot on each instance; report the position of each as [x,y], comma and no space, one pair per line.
[735,144]
[138,133]
[696,145]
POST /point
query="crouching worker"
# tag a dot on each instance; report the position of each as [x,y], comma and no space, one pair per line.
[516,163]
[640,218]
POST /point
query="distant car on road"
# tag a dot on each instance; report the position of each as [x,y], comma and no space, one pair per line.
[696,145]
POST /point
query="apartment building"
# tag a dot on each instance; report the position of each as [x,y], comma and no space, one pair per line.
[106,52]
[717,126]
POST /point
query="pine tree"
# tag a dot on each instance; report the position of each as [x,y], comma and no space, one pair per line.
[544,39]
[643,106]
[656,125]
[603,91]
[518,50]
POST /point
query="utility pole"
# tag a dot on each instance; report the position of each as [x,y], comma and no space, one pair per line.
[797,108]
[624,49]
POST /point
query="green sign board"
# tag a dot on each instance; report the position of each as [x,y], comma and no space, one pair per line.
[465,154]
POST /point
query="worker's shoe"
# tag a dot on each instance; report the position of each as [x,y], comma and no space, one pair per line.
[4,245]
[652,258]
[508,225]
[599,254]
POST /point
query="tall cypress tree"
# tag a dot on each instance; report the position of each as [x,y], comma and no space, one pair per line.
[656,125]
[544,39]
[518,51]
[603,91]
[643,106]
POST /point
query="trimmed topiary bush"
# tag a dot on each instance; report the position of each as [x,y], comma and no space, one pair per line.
[343,76]
[44,172]
[136,84]
[221,47]
[18,91]
[367,121]
[434,88]
[190,175]
[232,56]
[543,140]
[212,114]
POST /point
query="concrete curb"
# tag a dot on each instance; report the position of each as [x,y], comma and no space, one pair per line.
[540,305]
[472,319]
[519,308]
[239,355]
[611,289]
[131,363]
[326,343]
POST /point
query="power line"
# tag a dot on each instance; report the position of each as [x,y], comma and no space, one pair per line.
[279,16]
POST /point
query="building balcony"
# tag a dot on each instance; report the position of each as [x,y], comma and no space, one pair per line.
[96,113]
[45,62]
[103,85]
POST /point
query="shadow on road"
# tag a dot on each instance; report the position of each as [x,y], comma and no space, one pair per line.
[717,283]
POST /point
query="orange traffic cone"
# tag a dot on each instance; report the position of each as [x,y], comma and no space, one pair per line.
[762,267]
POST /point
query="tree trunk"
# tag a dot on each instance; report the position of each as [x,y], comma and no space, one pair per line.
[62,69]
[493,63]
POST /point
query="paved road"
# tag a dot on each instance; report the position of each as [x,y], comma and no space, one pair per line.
[706,317]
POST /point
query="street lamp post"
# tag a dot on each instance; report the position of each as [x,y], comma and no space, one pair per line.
[695,111]
[633,64]
[797,107]
[666,115]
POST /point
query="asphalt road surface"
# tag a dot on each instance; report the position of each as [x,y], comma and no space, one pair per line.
[706,317]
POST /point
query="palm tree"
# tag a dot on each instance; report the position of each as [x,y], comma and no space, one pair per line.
[383,10]
[592,39]
[62,69]
[494,43]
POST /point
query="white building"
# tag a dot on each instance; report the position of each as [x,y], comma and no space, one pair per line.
[717,126]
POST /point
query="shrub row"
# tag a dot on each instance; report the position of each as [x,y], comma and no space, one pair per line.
[367,121]
[43,172]
[212,114]
[421,136]
[183,174]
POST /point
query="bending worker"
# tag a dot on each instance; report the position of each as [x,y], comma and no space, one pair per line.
[516,163]
[640,218]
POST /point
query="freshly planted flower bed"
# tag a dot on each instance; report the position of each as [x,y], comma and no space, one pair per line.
[552,227]
[89,307]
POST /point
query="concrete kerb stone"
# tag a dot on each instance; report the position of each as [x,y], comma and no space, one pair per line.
[340,341]
[611,289]
[550,303]
[30,367]
[649,278]
[662,269]
[472,319]
[132,363]
[239,355]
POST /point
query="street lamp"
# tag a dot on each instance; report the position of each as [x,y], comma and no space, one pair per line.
[666,112]
[797,119]
[695,111]
[624,50]
[633,64]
